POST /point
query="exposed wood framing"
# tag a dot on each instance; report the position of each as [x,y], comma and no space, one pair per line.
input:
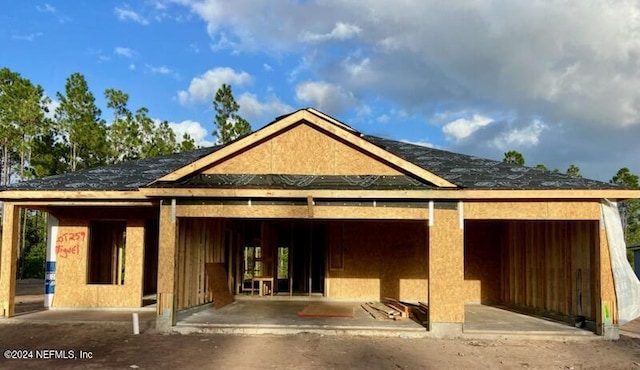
[608,300]
[166,268]
[556,195]
[200,241]
[8,259]
[549,267]
[105,203]
[74,195]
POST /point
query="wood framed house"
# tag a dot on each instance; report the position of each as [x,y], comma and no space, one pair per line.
[323,210]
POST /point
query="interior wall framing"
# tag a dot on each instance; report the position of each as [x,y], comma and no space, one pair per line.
[200,241]
[548,267]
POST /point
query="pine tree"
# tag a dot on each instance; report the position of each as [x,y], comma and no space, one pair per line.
[124,132]
[229,124]
[79,121]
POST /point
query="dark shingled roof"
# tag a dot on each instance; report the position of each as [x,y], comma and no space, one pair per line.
[478,173]
[129,175]
[462,170]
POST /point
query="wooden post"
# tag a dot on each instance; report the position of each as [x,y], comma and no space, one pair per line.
[8,259]
[606,314]
[166,268]
[446,272]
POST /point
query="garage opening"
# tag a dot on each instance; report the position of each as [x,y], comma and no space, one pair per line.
[546,268]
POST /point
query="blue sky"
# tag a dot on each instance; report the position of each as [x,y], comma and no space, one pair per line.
[558,81]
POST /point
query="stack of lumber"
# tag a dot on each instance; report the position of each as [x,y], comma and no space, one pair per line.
[387,309]
[421,312]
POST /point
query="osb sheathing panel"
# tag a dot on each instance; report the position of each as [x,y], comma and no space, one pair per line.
[549,266]
[302,150]
[482,264]
[72,289]
[319,212]
[166,257]
[105,213]
[382,259]
[551,210]
[607,287]
[446,264]
[8,257]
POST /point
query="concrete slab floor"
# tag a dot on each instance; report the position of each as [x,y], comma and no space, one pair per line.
[488,319]
[264,315]
[264,312]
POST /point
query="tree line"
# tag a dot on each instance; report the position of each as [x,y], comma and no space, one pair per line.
[36,142]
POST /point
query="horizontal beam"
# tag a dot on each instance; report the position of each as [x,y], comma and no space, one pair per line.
[396,194]
[144,194]
[92,195]
[302,212]
[69,203]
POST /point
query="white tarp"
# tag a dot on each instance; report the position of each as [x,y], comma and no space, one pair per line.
[625,280]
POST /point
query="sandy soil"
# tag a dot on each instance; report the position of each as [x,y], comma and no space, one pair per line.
[112,345]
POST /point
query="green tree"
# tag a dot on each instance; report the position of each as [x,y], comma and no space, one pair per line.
[229,125]
[157,138]
[629,209]
[574,171]
[79,121]
[541,166]
[22,108]
[48,155]
[513,157]
[187,143]
[124,132]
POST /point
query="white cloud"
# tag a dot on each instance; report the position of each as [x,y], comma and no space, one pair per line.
[252,109]
[325,96]
[204,87]
[341,31]
[194,129]
[527,136]
[569,64]
[267,67]
[125,52]
[29,37]
[462,128]
[127,14]
[194,47]
[46,8]
[163,70]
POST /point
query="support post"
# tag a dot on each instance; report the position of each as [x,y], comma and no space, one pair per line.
[606,314]
[166,268]
[446,272]
[9,259]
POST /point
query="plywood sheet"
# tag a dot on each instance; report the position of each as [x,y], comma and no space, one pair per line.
[302,149]
[446,263]
[532,210]
[72,289]
[217,277]
[379,259]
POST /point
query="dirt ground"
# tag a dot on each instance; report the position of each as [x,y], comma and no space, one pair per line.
[113,346]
